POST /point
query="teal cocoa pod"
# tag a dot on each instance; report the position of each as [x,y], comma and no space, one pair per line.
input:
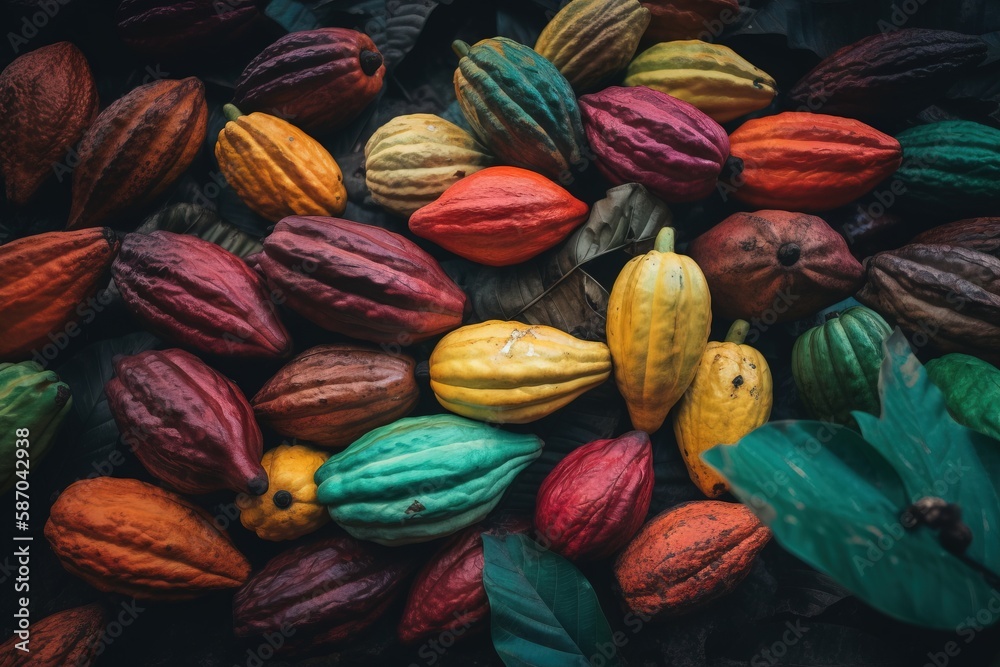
[421,478]
[33,403]
[971,389]
[520,105]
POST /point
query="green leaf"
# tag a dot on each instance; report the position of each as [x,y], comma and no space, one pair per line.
[203,223]
[291,15]
[544,611]
[628,218]
[835,500]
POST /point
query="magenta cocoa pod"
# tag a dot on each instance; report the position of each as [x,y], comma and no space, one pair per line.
[596,498]
[644,136]
[186,423]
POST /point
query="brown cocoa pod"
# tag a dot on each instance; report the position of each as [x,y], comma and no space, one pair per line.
[688,556]
[198,295]
[136,149]
[68,637]
[943,295]
[325,592]
[688,19]
[47,99]
[188,425]
[448,594]
[173,29]
[982,234]
[331,395]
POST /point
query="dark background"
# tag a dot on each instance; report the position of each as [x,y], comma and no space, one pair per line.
[785,38]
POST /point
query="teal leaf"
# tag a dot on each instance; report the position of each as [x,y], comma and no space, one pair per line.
[291,15]
[834,498]
[544,611]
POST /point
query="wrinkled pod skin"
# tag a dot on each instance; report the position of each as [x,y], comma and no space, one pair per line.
[68,637]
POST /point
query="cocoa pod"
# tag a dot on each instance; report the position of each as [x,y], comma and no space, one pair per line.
[596,498]
[447,594]
[198,295]
[982,234]
[47,99]
[687,19]
[190,426]
[359,280]
[688,556]
[171,29]
[331,395]
[136,149]
[948,296]
[325,592]
[68,637]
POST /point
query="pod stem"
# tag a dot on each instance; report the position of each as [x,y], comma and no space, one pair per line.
[738,332]
[371,61]
[231,112]
[460,48]
[665,240]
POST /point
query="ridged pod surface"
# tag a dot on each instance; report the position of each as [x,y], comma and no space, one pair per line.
[421,478]
[659,317]
[277,169]
[170,28]
[44,280]
[318,79]
[519,105]
[920,288]
[712,77]
[136,149]
[892,73]
[644,136]
[500,216]
[47,99]
[982,234]
[776,265]
[68,637]
[836,365]
[687,19]
[30,398]
[411,160]
[596,498]
[688,556]
[591,40]
[514,373]
[971,388]
[731,395]
[198,295]
[125,536]
[188,425]
[322,593]
[447,595]
[360,280]
[951,164]
[808,161]
[289,509]
[333,394]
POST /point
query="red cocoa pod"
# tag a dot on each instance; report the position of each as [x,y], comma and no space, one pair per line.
[500,216]
[596,498]
[198,295]
[319,80]
[688,19]
[359,280]
[170,29]
[190,426]
[892,73]
[641,135]
[47,99]
[136,149]
[775,265]
[688,556]
[982,234]
[68,637]
[331,395]
[326,592]
[447,594]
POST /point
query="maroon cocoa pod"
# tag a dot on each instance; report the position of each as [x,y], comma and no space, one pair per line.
[447,594]
[596,498]
[326,592]
[892,73]
[319,80]
[68,637]
[190,426]
[47,99]
[982,234]
[644,136]
[170,29]
[198,295]
[359,280]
